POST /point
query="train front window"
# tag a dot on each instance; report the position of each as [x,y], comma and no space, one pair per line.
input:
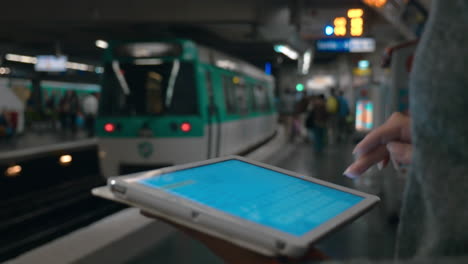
[149,87]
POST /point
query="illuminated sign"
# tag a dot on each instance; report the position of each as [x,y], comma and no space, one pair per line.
[357,22]
[362,72]
[363,64]
[340,26]
[299,87]
[355,13]
[364,115]
[352,45]
[50,63]
[268,68]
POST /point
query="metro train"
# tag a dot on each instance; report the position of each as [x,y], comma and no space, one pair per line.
[172,101]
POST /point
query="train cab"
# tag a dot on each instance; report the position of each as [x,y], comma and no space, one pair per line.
[170,102]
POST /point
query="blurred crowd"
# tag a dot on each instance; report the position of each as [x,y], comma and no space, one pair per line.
[67,114]
[318,119]
[71,112]
[8,123]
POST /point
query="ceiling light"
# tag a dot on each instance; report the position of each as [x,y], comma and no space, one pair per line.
[33,60]
[102,44]
[307,58]
[286,50]
[329,30]
[4,70]
[99,70]
[21,58]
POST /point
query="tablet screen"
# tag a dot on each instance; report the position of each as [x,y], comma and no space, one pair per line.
[257,194]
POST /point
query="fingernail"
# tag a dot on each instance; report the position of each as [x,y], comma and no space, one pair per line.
[350,174]
[395,164]
[380,165]
[390,147]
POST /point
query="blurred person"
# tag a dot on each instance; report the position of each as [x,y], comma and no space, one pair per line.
[12,119]
[63,109]
[309,120]
[343,112]
[288,104]
[333,106]
[434,141]
[4,126]
[50,110]
[50,102]
[316,122]
[68,111]
[300,110]
[73,111]
[90,108]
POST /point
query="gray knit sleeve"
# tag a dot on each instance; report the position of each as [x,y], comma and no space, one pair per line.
[434,220]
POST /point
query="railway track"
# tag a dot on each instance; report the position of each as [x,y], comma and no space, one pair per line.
[35,218]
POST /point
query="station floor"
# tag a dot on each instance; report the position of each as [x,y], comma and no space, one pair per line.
[372,236]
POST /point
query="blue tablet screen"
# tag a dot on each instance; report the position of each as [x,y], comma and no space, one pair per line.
[260,195]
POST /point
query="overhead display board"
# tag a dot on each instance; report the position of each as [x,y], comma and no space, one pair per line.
[350,45]
[51,63]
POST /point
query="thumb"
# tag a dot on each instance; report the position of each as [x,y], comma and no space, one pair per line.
[400,152]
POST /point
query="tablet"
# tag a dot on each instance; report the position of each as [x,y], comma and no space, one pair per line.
[266,209]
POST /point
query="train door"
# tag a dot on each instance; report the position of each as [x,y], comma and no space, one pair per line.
[213,119]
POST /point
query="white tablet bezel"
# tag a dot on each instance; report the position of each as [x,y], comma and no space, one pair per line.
[148,197]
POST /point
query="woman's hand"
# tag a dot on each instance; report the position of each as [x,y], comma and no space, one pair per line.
[391,141]
[231,253]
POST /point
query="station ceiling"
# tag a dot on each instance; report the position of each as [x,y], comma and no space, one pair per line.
[244,28]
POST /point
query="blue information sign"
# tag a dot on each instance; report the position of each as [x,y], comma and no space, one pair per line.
[352,45]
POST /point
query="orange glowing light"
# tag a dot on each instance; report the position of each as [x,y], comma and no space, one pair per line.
[356,26]
[339,22]
[357,22]
[355,13]
[375,3]
[356,32]
[340,26]
[340,31]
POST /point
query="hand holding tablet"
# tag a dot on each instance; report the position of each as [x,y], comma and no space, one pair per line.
[254,206]
[231,253]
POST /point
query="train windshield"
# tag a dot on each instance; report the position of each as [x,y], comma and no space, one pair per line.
[149,87]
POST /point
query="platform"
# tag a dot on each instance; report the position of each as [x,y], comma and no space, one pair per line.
[128,237]
[33,145]
[35,139]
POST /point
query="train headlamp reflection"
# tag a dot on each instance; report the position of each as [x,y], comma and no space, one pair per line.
[65,160]
[13,171]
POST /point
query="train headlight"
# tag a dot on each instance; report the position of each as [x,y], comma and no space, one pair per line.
[185,127]
[109,127]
